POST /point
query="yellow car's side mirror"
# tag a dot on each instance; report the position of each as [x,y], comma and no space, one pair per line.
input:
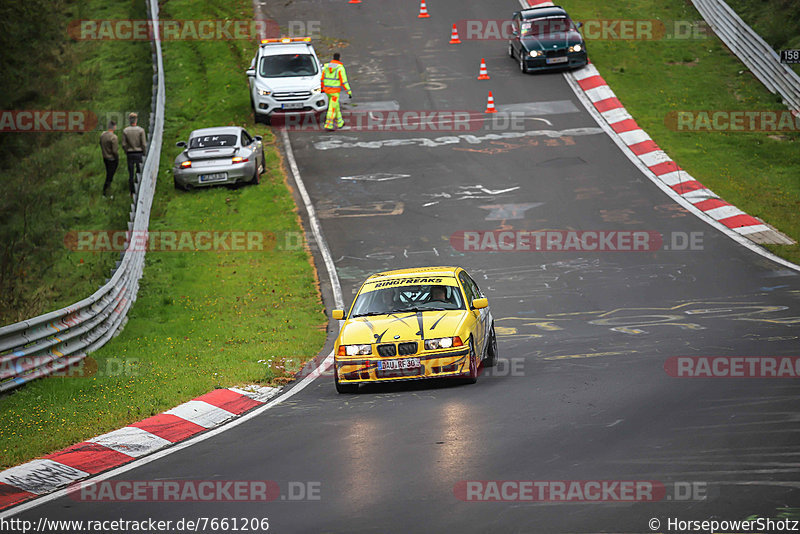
[480,303]
[337,314]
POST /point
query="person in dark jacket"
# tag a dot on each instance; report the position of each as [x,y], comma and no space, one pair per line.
[134,143]
[110,149]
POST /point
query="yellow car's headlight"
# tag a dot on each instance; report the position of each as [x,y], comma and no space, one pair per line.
[355,350]
[443,343]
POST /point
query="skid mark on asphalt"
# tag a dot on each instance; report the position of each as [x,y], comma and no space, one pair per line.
[622,216]
[554,107]
[504,212]
[502,147]
[376,177]
[374,209]
[589,355]
[637,321]
[567,276]
[350,142]
[754,462]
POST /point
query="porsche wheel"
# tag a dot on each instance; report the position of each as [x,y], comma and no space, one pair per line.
[256,179]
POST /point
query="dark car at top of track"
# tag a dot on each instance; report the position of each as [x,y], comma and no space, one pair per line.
[545,38]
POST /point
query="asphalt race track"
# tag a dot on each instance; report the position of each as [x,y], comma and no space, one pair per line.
[581,392]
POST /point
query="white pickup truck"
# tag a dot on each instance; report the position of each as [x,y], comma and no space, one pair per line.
[284,77]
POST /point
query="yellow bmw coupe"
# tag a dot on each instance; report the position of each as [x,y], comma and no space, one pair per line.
[412,324]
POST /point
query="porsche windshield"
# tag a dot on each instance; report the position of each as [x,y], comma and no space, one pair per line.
[208,141]
[287,65]
[409,298]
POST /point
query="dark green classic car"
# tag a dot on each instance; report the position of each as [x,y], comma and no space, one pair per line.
[544,38]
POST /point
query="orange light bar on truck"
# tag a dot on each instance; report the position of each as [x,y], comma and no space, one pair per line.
[287,40]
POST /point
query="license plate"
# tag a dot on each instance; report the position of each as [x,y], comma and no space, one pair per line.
[552,60]
[399,365]
[216,177]
[292,105]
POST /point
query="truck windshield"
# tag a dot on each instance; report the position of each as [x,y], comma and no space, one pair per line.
[287,65]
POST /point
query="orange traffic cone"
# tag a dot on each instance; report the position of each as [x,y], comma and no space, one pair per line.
[490,104]
[454,36]
[423,10]
[483,74]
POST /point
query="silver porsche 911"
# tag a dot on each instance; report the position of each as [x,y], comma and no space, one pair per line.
[224,155]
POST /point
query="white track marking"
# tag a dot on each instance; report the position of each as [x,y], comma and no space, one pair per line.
[201,413]
[40,476]
[132,441]
[314,222]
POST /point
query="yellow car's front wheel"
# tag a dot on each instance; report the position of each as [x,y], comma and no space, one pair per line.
[343,388]
[491,351]
[473,363]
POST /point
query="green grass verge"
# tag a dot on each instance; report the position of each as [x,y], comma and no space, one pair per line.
[203,319]
[757,172]
[52,182]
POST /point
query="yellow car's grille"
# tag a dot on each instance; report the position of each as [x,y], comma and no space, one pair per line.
[387,350]
[404,349]
[390,350]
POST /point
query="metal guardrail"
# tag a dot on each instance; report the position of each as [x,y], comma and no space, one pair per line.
[48,343]
[752,50]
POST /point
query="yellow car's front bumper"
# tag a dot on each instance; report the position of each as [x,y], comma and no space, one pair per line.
[433,364]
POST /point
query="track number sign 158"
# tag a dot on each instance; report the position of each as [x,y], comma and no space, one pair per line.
[790,56]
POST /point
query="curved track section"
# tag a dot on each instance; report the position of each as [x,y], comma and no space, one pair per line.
[581,392]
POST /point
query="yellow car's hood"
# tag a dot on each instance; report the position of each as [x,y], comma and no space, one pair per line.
[406,326]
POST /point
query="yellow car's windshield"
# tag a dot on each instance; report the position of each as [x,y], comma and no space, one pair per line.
[408,298]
